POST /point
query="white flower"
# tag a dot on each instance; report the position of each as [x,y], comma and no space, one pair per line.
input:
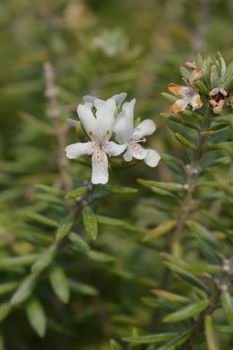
[127,134]
[119,99]
[99,130]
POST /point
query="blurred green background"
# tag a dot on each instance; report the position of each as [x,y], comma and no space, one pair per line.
[99,47]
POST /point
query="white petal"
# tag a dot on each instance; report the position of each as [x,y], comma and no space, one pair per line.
[138,151]
[123,126]
[186,91]
[196,102]
[119,98]
[223,92]
[87,118]
[114,149]
[180,105]
[99,168]
[146,127]
[128,107]
[128,155]
[89,98]
[152,158]
[76,150]
[105,113]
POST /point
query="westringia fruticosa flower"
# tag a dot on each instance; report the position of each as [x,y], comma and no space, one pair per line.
[187,94]
[217,99]
[127,134]
[100,119]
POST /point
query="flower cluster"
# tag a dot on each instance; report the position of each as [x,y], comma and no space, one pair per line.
[103,119]
[209,78]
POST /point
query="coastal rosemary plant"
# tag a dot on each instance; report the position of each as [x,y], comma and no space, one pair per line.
[191,299]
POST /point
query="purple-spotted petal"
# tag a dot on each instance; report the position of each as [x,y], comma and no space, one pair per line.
[76,150]
[99,167]
[138,152]
[114,149]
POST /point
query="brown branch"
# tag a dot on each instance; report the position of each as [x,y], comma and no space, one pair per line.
[186,204]
[54,113]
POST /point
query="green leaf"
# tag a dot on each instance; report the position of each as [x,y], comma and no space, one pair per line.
[90,222]
[151,302]
[50,199]
[160,230]
[114,345]
[100,257]
[78,192]
[149,339]
[159,190]
[193,114]
[199,268]
[174,343]
[227,304]
[187,312]
[164,193]
[168,186]
[185,142]
[78,241]
[51,190]
[175,164]
[8,287]
[65,227]
[44,259]
[82,288]
[210,334]
[40,218]
[182,126]
[4,310]
[120,190]
[36,317]
[60,284]
[203,233]
[225,329]
[24,291]
[187,276]
[120,223]
[185,73]
[203,87]
[17,261]
[228,77]
[169,97]
[220,135]
[170,296]
[199,61]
